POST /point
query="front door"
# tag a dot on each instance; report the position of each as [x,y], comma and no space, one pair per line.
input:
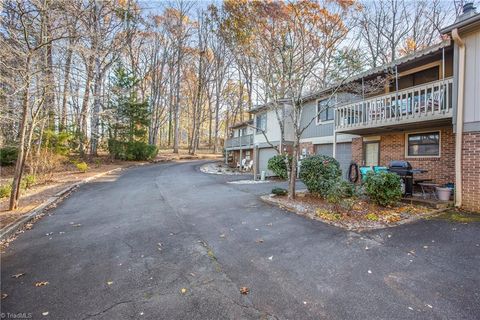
[372,153]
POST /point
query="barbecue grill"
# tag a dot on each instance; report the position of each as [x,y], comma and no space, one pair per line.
[405,171]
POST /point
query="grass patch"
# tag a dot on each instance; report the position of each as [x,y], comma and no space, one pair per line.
[459,216]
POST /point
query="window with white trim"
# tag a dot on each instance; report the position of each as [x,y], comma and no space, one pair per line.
[261,122]
[324,110]
[425,144]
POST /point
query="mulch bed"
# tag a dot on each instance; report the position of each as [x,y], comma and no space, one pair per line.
[352,213]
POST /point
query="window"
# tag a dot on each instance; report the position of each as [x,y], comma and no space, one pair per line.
[261,122]
[372,153]
[423,144]
[243,132]
[324,111]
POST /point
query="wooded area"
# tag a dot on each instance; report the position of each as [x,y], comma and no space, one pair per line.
[129,77]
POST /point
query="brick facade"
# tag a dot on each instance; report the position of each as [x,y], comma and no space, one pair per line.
[471,171]
[308,146]
[236,156]
[392,147]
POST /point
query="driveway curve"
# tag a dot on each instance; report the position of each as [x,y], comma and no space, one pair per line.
[167,241]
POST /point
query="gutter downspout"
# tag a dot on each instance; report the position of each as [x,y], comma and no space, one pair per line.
[459,126]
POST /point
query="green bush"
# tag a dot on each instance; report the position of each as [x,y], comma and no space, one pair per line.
[279,191]
[27,181]
[320,173]
[383,188]
[5,190]
[8,155]
[58,142]
[278,166]
[134,150]
[82,167]
[338,190]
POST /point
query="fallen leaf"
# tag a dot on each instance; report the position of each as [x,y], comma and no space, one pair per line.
[45,313]
[244,290]
[28,226]
[109,283]
[183,290]
[77,225]
[4,295]
[41,283]
[18,275]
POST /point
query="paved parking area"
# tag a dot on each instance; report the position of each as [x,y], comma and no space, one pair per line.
[125,246]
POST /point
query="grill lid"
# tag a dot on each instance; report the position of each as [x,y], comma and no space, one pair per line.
[400,164]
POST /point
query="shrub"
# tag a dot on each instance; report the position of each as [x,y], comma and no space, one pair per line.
[58,142]
[338,190]
[278,166]
[8,155]
[82,167]
[5,190]
[319,173]
[279,191]
[27,181]
[383,188]
[372,217]
[134,150]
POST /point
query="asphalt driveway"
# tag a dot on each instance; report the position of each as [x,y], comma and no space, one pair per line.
[125,246]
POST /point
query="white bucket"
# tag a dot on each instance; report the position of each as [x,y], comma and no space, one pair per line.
[443,193]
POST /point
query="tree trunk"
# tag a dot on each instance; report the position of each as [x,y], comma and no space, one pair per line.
[84,110]
[95,134]
[19,165]
[293,172]
[176,111]
[66,83]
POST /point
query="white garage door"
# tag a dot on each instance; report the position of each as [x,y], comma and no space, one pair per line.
[263,156]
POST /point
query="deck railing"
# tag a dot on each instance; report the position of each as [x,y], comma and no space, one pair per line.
[237,142]
[423,102]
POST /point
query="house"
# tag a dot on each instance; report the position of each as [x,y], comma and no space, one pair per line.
[423,108]
[427,114]
[267,137]
[240,144]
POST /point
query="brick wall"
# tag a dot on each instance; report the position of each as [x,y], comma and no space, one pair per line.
[357,150]
[471,171]
[308,146]
[392,147]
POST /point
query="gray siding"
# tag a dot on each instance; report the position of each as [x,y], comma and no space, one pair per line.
[322,129]
[472,78]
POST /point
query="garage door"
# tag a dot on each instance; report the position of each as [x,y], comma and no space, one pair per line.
[263,156]
[324,149]
[344,157]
